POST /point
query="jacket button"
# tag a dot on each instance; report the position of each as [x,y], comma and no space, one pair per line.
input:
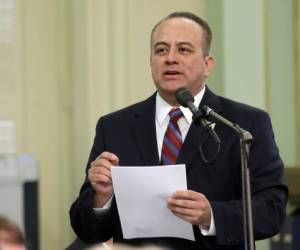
[229,239]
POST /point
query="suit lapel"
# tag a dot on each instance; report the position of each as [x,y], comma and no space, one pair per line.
[144,132]
[197,134]
[191,144]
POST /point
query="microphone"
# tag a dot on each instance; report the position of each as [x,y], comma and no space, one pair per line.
[186,99]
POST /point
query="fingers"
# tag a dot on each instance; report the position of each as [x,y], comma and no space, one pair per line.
[100,169]
[188,195]
[187,199]
[190,206]
[110,157]
[99,176]
[103,176]
[193,211]
[106,159]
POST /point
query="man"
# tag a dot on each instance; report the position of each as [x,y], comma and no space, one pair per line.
[138,135]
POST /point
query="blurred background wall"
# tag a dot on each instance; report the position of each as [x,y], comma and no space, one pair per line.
[64,63]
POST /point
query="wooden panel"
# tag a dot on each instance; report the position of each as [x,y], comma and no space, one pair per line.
[292,179]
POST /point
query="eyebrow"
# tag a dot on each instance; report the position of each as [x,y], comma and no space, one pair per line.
[160,43]
[185,43]
[178,44]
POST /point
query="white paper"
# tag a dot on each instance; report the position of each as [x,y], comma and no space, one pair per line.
[141,194]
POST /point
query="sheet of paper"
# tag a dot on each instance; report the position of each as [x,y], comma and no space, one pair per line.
[141,194]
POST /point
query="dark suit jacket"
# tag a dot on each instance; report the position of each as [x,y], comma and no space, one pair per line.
[130,134]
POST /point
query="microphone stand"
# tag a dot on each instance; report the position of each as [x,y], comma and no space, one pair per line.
[245,142]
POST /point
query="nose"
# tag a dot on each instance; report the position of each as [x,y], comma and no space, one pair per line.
[172,57]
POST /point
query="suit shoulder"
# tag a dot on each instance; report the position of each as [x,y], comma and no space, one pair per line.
[243,114]
[129,112]
[240,108]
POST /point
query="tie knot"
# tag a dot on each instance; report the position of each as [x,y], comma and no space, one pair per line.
[175,114]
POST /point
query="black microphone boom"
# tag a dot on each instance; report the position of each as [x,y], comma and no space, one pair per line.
[186,99]
[245,141]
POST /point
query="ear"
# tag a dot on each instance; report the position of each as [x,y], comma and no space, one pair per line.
[150,59]
[209,65]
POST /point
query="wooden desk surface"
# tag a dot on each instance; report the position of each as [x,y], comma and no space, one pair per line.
[292,179]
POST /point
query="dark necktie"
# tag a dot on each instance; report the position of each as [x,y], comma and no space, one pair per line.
[172,140]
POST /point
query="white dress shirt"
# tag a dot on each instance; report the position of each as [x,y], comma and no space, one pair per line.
[162,118]
[161,122]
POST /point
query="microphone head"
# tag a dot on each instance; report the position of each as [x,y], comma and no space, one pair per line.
[184,96]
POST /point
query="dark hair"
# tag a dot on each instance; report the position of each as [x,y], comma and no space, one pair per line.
[15,233]
[191,16]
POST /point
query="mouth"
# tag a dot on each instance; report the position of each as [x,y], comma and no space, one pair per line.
[172,73]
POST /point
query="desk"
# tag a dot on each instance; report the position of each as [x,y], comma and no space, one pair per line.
[292,179]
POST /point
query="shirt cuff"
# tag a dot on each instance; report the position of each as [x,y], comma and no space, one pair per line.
[212,228]
[104,209]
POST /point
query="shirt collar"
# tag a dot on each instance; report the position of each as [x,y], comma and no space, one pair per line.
[163,108]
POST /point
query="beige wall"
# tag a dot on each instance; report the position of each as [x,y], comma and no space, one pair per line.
[48,111]
[297,73]
[11,74]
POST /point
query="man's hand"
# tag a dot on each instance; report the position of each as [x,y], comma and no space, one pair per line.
[99,175]
[192,207]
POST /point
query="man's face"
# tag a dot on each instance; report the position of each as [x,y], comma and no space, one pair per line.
[177,58]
